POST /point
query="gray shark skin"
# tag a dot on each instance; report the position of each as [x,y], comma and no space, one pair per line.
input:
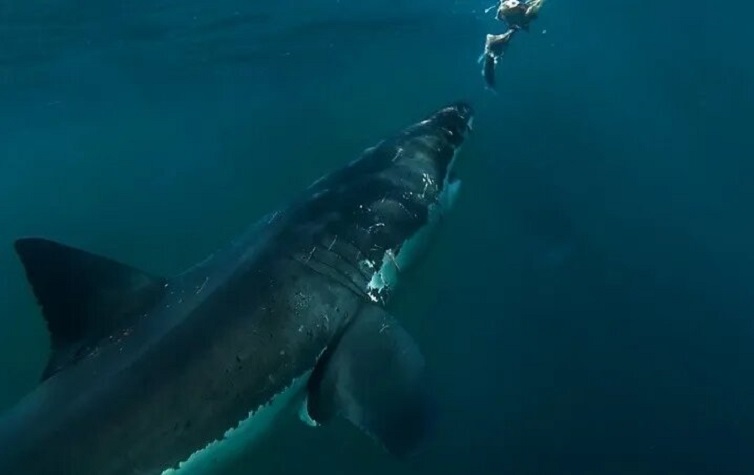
[151,375]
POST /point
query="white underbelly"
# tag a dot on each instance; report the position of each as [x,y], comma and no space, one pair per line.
[238,439]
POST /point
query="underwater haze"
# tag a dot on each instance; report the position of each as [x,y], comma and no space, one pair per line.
[587,307]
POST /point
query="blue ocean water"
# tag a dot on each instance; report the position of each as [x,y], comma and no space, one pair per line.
[588,307]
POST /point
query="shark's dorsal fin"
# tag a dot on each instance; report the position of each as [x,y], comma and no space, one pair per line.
[84,297]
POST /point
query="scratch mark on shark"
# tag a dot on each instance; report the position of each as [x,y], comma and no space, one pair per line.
[201,287]
[311,253]
[329,248]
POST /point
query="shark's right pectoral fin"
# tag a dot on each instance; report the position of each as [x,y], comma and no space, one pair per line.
[375,378]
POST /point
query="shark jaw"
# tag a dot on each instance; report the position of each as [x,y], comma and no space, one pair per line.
[386,278]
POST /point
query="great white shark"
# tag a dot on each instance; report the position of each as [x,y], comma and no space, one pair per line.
[151,375]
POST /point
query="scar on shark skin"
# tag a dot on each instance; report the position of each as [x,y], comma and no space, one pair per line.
[311,253]
[329,248]
[391,255]
[201,287]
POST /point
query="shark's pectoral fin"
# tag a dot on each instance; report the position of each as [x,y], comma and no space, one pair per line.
[84,297]
[375,378]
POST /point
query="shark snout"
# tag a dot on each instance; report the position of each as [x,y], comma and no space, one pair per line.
[456,120]
[464,112]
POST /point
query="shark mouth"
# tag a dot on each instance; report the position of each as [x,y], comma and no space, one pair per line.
[453,177]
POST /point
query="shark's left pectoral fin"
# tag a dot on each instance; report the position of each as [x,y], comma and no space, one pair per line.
[375,377]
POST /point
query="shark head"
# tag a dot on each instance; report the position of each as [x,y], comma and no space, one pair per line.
[385,205]
[424,188]
[426,151]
